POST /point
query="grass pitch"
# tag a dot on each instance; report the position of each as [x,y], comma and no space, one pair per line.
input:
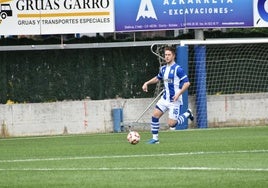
[226,157]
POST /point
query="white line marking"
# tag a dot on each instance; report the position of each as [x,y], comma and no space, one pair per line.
[133,156]
[141,169]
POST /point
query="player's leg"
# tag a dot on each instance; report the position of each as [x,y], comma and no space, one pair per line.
[173,115]
[155,125]
[176,119]
[183,117]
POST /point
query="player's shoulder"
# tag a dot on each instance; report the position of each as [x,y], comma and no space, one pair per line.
[179,70]
[177,67]
[163,67]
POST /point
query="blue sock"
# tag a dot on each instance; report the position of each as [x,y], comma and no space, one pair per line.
[155,127]
[181,119]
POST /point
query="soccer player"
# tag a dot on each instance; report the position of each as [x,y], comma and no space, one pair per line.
[176,82]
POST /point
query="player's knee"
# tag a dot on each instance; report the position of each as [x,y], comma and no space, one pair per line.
[172,123]
[157,114]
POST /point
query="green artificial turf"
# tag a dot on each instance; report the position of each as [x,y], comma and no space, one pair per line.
[222,157]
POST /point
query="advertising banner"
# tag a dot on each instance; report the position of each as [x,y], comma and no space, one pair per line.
[137,15]
[260,13]
[35,17]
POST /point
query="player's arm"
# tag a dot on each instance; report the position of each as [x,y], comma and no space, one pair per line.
[154,80]
[185,86]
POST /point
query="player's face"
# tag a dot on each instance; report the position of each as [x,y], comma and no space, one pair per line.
[169,56]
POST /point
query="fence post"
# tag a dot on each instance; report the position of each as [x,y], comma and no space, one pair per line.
[201,95]
[182,60]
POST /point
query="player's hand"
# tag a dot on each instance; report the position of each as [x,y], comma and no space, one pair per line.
[176,97]
[145,87]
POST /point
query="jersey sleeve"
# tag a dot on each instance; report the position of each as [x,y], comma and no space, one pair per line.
[182,75]
[161,73]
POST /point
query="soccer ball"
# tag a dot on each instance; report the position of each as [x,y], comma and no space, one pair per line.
[133,137]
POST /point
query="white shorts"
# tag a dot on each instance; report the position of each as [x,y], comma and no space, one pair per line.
[173,108]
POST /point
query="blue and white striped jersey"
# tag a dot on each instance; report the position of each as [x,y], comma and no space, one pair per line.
[174,77]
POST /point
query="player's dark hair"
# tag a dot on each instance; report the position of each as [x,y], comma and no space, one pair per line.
[170,48]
